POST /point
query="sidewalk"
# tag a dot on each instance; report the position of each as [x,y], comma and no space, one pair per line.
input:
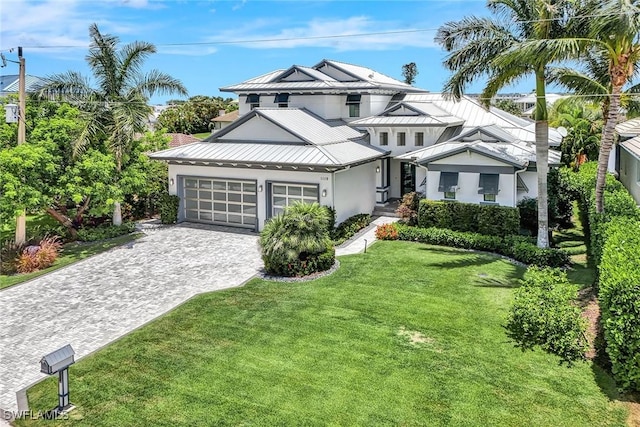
[367,237]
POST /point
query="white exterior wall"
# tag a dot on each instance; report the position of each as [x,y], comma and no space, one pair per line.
[468,188]
[530,179]
[355,191]
[327,106]
[629,173]
[324,180]
[431,135]
[469,158]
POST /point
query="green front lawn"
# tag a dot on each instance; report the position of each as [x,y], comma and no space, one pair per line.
[71,252]
[405,334]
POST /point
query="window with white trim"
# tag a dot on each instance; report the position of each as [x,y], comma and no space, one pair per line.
[419,139]
[402,139]
[384,138]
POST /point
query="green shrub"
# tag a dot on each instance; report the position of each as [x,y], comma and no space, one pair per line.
[520,248]
[350,227]
[545,314]
[331,222]
[484,219]
[619,296]
[169,205]
[103,232]
[297,243]
[528,208]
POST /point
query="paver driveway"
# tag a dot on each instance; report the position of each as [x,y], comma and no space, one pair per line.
[95,301]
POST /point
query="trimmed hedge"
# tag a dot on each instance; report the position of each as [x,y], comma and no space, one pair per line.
[493,220]
[520,248]
[103,232]
[169,205]
[619,297]
[313,263]
[544,313]
[614,237]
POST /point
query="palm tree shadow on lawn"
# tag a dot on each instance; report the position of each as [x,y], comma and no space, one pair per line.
[479,259]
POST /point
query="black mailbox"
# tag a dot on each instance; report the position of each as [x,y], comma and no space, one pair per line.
[57,360]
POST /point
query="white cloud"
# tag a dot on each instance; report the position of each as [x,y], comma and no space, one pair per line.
[355,33]
[187,50]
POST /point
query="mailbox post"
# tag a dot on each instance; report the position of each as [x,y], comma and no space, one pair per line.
[59,361]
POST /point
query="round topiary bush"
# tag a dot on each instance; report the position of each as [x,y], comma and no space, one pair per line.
[297,243]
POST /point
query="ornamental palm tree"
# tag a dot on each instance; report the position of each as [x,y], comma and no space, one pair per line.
[583,120]
[501,49]
[116,109]
[615,35]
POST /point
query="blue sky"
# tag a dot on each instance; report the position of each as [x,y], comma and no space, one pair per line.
[205,43]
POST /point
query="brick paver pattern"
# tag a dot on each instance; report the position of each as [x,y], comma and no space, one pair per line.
[93,302]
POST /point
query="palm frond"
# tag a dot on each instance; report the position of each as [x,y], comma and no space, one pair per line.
[70,84]
[577,82]
[103,60]
[157,82]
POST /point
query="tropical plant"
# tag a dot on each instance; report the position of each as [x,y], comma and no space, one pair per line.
[116,109]
[409,72]
[297,239]
[507,105]
[583,121]
[194,115]
[501,49]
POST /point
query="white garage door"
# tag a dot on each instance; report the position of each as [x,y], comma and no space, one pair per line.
[220,201]
[285,194]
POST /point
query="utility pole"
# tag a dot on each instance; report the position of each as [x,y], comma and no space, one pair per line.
[21,220]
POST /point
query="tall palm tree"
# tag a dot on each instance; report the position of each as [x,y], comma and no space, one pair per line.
[501,49]
[615,35]
[117,108]
[583,120]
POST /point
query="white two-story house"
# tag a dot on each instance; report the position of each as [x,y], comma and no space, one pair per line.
[349,137]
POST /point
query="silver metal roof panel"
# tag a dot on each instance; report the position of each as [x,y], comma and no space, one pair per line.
[629,129]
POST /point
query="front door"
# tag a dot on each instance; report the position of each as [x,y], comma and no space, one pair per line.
[407,178]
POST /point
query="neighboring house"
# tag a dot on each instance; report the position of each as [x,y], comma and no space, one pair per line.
[9,84]
[527,103]
[153,117]
[349,137]
[224,119]
[180,139]
[628,156]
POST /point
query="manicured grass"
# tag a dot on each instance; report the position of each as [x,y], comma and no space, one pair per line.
[572,240]
[71,252]
[339,351]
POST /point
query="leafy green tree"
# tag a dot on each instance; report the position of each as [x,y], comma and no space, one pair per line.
[583,121]
[116,109]
[194,115]
[507,105]
[513,44]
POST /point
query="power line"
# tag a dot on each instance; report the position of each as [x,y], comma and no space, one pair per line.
[327,37]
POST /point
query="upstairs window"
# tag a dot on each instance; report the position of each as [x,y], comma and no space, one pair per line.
[448,184]
[402,139]
[254,100]
[384,138]
[282,99]
[488,186]
[419,140]
[353,101]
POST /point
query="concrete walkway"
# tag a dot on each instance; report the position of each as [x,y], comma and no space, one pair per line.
[93,302]
[366,237]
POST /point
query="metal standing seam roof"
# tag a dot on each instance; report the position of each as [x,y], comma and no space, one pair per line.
[508,149]
[365,73]
[299,122]
[321,143]
[59,355]
[31,82]
[632,146]
[407,121]
[475,114]
[629,129]
[331,155]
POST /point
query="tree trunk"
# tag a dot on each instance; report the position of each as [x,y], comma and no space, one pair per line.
[605,146]
[64,220]
[542,160]
[117,214]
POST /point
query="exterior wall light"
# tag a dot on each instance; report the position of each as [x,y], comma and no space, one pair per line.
[171,182]
[377,169]
[324,193]
[260,188]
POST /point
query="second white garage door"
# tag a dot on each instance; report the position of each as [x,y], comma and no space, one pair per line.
[220,201]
